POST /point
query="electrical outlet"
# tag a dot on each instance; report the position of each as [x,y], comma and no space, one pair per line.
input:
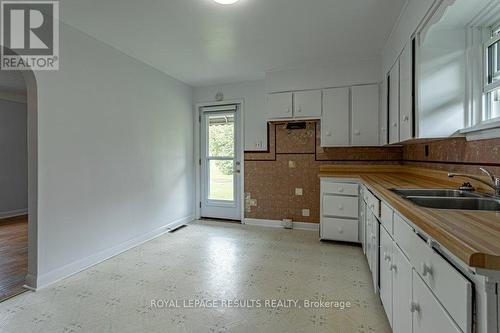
[291,164]
[258,144]
[298,191]
[253,202]
[305,212]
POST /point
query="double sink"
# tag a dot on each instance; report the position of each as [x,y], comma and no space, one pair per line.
[450,199]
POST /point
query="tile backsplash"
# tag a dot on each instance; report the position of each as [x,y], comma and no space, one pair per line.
[294,158]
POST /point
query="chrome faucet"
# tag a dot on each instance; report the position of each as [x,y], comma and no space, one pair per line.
[494,180]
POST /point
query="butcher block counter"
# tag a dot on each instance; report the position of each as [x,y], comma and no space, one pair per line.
[471,236]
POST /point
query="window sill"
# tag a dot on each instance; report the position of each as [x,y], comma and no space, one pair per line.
[483,131]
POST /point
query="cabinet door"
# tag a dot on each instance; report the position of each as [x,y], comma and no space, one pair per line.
[375,251]
[362,223]
[385,283]
[368,237]
[394,104]
[279,105]
[307,104]
[401,291]
[428,314]
[365,103]
[335,119]
[405,95]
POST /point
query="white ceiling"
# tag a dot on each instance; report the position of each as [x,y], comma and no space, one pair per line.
[200,42]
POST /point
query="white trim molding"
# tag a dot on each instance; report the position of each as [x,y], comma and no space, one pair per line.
[279,224]
[61,273]
[13,213]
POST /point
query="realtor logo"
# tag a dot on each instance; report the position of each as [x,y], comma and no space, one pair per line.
[29,35]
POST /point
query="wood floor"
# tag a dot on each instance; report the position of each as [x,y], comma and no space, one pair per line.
[13,255]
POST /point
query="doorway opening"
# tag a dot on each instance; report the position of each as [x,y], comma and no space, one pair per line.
[220,162]
[18,182]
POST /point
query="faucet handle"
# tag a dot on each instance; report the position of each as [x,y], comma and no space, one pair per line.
[489,173]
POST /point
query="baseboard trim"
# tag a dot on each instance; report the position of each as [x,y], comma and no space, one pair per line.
[63,272]
[278,224]
[13,213]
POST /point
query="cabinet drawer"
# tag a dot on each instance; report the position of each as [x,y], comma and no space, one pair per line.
[451,288]
[340,188]
[386,217]
[373,204]
[340,206]
[404,236]
[339,229]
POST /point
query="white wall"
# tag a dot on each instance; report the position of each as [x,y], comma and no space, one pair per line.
[324,76]
[252,92]
[14,158]
[442,82]
[115,148]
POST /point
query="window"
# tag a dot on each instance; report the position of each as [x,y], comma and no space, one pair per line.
[491,89]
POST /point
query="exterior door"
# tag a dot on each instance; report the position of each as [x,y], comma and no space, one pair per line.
[220,162]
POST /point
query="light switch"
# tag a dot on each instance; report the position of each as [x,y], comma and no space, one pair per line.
[291,164]
[305,212]
[298,191]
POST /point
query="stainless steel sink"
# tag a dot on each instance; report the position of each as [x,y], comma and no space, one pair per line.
[450,199]
[449,193]
[457,203]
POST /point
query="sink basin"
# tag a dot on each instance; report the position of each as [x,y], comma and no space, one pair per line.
[448,193]
[465,203]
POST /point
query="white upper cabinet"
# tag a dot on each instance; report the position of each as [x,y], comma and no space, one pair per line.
[279,105]
[334,132]
[393,91]
[365,115]
[307,104]
[406,94]
[294,105]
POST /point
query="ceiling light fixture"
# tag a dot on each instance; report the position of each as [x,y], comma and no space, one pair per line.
[226,2]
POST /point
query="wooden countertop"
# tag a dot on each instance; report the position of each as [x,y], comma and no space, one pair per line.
[472,236]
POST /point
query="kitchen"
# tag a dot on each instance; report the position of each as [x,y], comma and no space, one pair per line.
[263,166]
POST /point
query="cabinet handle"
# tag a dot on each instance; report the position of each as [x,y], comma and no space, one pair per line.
[299,109]
[341,189]
[405,118]
[341,230]
[394,124]
[414,306]
[387,257]
[328,133]
[393,267]
[288,110]
[426,269]
[357,132]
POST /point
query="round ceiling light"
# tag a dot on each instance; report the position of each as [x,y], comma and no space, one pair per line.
[226,2]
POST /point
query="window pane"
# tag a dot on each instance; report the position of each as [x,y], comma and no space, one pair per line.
[221,135]
[493,104]
[493,63]
[221,183]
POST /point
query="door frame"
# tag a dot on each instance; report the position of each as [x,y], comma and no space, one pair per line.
[197,152]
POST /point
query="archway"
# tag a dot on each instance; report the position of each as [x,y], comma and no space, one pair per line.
[30,100]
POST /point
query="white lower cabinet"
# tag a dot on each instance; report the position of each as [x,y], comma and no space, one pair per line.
[402,274]
[428,314]
[385,284]
[420,290]
[339,218]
